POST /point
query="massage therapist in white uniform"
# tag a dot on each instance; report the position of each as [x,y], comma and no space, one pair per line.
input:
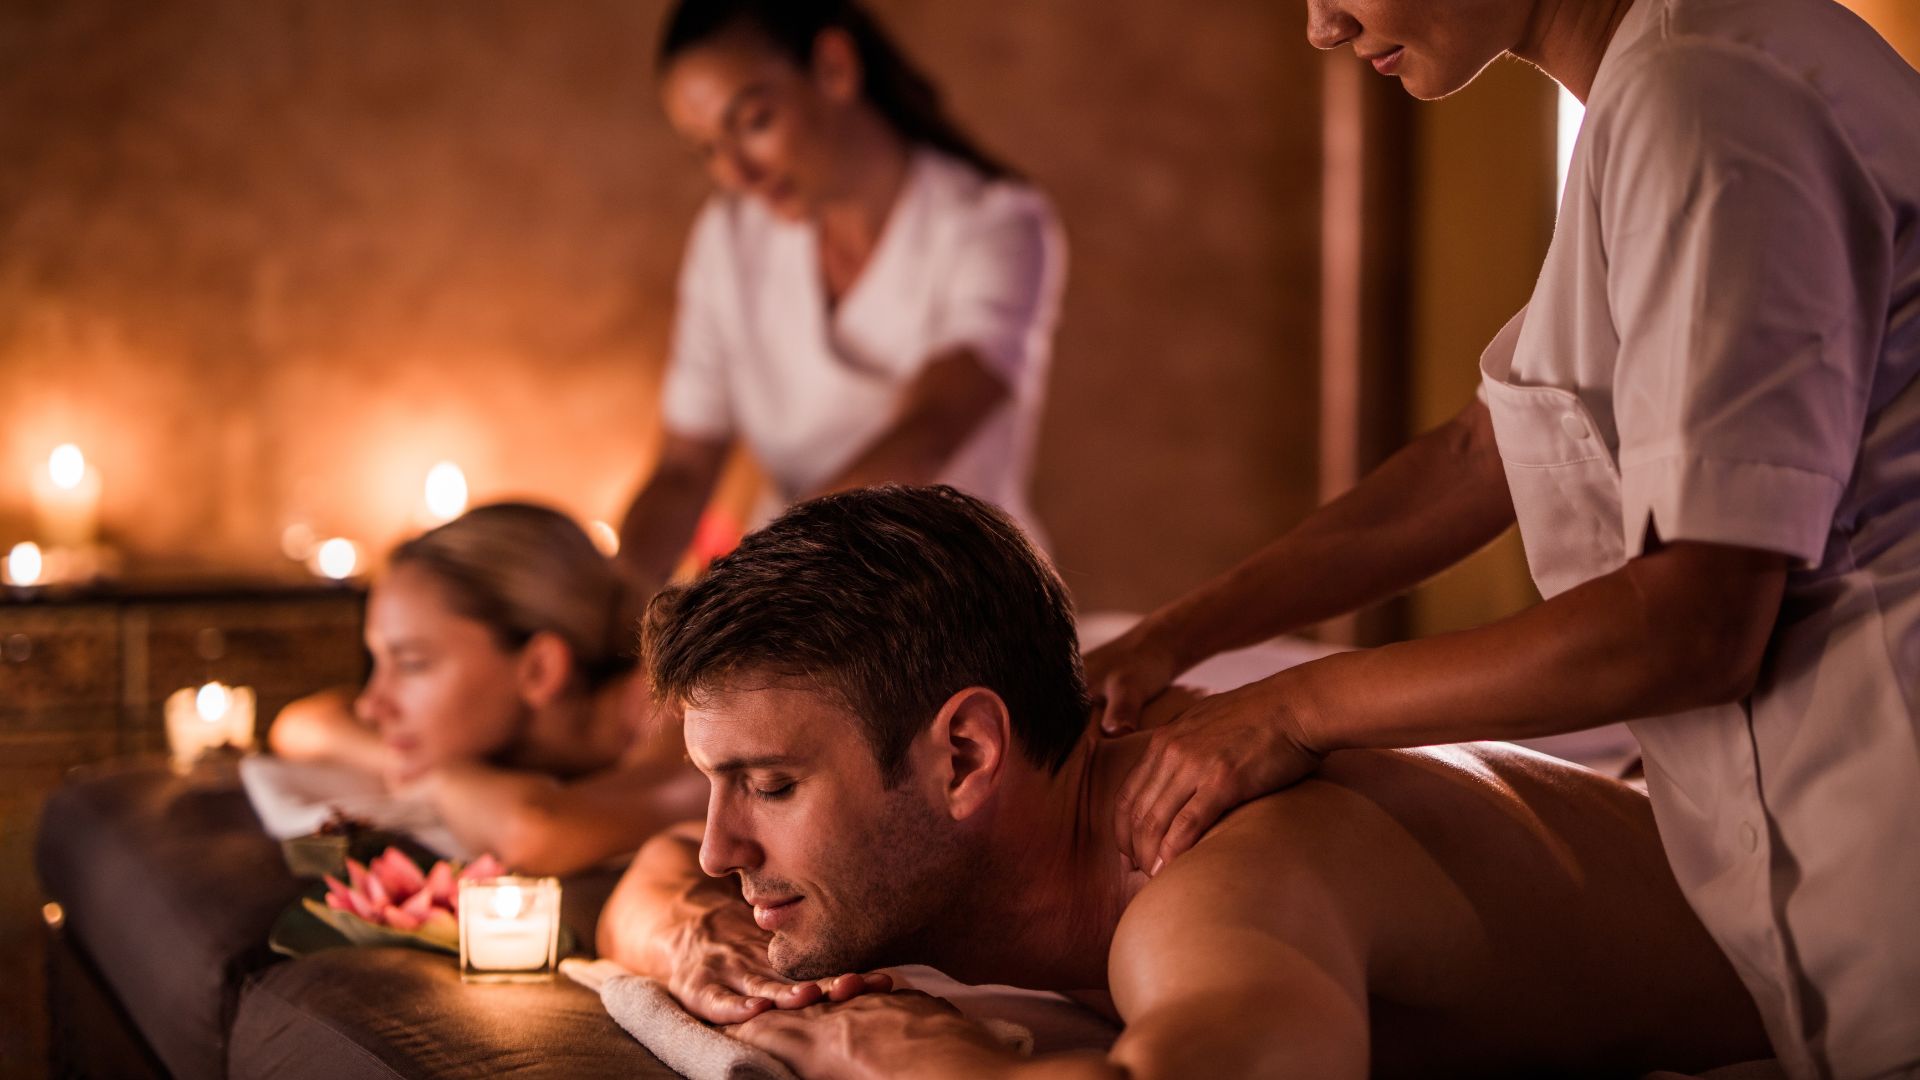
[1707,425]
[867,297]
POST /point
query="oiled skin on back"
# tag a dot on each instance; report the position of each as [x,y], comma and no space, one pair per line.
[1465,911]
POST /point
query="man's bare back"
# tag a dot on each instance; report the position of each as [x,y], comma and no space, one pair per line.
[1491,910]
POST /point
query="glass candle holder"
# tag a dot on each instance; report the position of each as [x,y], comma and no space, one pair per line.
[509,929]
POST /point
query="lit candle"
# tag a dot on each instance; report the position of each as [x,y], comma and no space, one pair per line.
[24,564]
[509,929]
[336,559]
[446,493]
[206,717]
[66,498]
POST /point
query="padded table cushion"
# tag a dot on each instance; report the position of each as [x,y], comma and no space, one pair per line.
[381,1013]
[170,887]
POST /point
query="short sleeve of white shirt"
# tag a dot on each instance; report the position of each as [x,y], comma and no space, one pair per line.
[694,398]
[1747,262]
[997,299]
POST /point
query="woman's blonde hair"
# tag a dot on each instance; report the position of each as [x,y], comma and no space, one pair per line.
[520,569]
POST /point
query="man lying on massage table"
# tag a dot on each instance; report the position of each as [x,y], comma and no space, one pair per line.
[884,692]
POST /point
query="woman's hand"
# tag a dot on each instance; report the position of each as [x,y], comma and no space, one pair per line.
[1126,673]
[1224,751]
[875,1037]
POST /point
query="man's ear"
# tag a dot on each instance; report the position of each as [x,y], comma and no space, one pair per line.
[544,669]
[837,74]
[973,736]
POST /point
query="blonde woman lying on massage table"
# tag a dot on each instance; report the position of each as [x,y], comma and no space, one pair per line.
[884,690]
[503,694]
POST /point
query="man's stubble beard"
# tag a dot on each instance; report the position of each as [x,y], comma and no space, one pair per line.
[895,885]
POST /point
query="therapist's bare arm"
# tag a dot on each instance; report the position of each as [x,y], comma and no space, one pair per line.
[694,934]
[1436,501]
[660,523]
[944,405]
[1683,626]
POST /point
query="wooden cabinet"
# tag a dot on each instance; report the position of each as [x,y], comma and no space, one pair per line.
[84,676]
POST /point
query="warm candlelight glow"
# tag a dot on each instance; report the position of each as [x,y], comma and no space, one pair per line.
[508,901]
[213,702]
[207,717]
[297,540]
[446,492]
[605,537]
[509,928]
[66,499]
[67,466]
[336,559]
[24,564]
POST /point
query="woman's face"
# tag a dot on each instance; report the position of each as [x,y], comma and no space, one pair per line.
[1434,47]
[443,689]
[761,125]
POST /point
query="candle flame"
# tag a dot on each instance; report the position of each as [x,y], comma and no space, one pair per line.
[337,559]
[213,701]
[446,491]
[67,466]
[605,538]
[24,564]
[508,901]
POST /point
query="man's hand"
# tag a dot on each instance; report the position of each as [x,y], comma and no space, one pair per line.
[693,934]
[1224,751]
[875,1037]
[719,971]
[1125,674]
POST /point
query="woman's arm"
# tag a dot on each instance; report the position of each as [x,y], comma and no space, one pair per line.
[1438,500]
[945,404]
[322,727]
[540,825]
[1683,626]
[659,524]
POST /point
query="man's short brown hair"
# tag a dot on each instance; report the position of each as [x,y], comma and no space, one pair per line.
[894,599]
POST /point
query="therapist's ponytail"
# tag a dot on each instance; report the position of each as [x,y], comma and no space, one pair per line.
[893,84]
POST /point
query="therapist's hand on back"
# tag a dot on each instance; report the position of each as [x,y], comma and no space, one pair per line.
[1227,749]
[1125,675]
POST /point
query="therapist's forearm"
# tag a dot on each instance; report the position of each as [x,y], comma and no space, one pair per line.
[1683,628]
[942,409]
[1436,501]
[662,519]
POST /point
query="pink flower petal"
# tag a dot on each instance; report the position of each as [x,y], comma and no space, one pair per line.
[419,905]
[399,919]
[440,884]
[336,887]
[485,866]
[338,902]
[357,875]
[376,892]
[398,873]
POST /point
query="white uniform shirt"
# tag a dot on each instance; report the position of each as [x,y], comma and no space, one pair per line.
[962,261]
[1722,347]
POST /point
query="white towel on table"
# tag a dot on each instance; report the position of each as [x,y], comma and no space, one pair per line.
[294,798]
[691,1048]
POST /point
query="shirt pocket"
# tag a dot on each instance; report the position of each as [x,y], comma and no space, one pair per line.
[1564,484]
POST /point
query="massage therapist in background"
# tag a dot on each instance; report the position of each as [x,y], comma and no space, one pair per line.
[868,296]
[1707,427]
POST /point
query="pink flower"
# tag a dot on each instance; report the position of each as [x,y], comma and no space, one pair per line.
[391,891]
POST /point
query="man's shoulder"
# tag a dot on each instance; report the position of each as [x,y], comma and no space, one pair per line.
[1377,842]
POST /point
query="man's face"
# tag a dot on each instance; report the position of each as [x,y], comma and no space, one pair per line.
[843,872]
